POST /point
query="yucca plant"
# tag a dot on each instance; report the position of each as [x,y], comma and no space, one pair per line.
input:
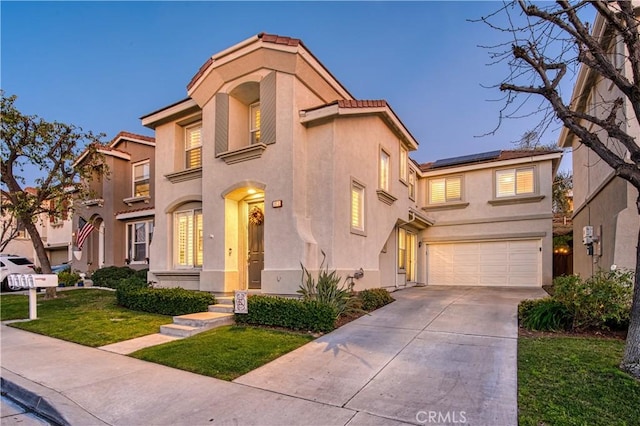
[326,288]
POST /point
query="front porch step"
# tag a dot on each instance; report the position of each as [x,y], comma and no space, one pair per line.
[224,300]
[190,324]
[221,308]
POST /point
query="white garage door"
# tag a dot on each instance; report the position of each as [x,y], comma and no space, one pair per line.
[495,263]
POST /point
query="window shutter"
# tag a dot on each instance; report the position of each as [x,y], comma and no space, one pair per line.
[524,181]
[268,109]
[222,123]
[436,191]
[453,189]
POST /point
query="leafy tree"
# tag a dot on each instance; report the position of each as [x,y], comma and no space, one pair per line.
[562,185]
[51,147]
[547,43]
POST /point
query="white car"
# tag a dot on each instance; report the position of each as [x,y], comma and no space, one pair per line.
[12,264]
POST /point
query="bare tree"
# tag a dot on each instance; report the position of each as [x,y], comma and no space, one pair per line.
[52,147]
[547,43]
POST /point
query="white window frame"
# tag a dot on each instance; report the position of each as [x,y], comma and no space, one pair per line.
[446,200]
[130,243]
[357,187]
[191,258]
[402,249]
[188,148]
[254,129]
[404,163]
[412,184]
[515,171]
[384,170]
[134,181]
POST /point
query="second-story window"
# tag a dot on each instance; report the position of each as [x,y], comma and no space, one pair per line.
[412,184]
[513,182]
[193,146]
[141,179]
[254,110]
[444,190]
[383,173]
[404,159]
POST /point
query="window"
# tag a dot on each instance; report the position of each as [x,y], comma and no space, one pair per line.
[138,238]
[412,184]
[188,238]
[141,179]
[383,178]
[193,146]
[404,159]
[402,248]
[357,207]
[255,122]
[445,190]
[512,182]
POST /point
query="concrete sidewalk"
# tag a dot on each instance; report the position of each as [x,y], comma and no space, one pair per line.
[436,351]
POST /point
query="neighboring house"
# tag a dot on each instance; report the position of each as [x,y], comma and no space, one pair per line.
[56,234]
[602,202]
[270,162]
[121,209]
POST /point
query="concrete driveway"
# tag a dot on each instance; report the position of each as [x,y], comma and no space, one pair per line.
[438,355]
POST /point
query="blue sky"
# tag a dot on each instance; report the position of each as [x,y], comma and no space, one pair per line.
[102,65]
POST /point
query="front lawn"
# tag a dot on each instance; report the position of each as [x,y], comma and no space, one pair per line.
[225,352]
[89,317]
[575,381]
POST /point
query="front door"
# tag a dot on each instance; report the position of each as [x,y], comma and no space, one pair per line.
[256,243]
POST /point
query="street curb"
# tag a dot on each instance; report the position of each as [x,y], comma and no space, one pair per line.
[46,402]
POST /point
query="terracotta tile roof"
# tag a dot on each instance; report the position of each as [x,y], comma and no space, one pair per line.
[201,71]
[485,157]
[346,103]
[129,135]
[274,38]
[133,210]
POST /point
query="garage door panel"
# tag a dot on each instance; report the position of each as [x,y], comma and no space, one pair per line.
[496,263]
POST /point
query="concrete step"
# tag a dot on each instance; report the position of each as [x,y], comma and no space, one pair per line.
[177,330]
[222,308]
[204,319]
[224,300]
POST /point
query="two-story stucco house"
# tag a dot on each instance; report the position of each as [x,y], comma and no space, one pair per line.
[270,162]
[603,202]
[121,210]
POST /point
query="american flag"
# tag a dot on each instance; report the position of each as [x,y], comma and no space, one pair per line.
[84,229]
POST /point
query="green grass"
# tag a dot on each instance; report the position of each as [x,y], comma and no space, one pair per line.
[575,381]
[86,316]
[225,352]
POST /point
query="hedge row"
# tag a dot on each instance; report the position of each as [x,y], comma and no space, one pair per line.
[134,294]
[110,276]
[295,314]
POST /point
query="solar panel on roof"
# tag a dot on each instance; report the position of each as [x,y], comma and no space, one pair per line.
[483,156]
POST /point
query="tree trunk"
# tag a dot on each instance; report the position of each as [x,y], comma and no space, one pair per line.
[45,265]
[631,360]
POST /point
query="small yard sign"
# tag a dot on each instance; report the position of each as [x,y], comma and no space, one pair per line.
[240,302]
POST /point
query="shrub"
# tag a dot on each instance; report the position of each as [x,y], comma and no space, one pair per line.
[295,314]
[142,273]
[326,289]
[544,315]
[374,298]
[110,276]
[134,294]
[68,279]
[599,301]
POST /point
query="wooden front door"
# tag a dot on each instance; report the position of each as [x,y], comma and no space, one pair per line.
[256,244]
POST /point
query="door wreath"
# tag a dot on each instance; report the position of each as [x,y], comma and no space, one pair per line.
[256,217]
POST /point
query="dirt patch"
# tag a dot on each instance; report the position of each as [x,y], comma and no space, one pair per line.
[610,334]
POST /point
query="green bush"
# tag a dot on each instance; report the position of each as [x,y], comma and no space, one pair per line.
[68,279]
[294,314]
[374,298]
[600,301]
[110,276]
[134,294]
[326,289]
[544,315]
[142,273]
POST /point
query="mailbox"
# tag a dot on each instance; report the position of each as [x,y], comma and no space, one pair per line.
[27,281]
